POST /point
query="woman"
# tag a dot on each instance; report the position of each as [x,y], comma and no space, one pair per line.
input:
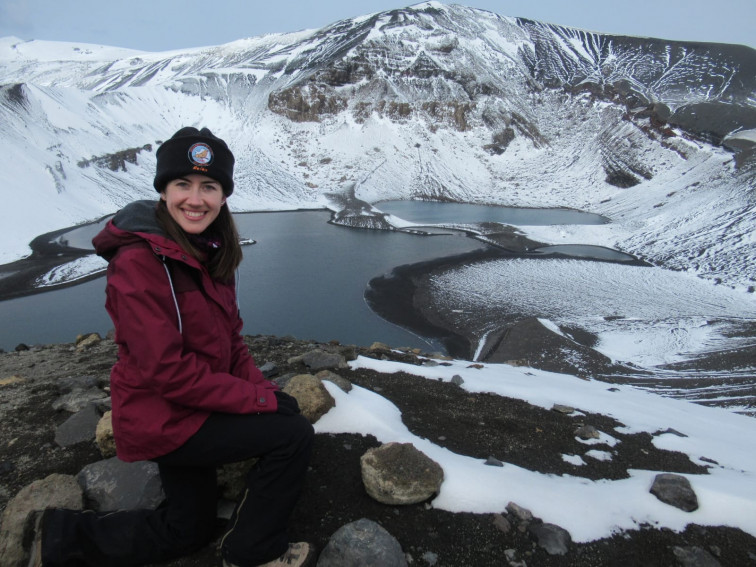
[186,394]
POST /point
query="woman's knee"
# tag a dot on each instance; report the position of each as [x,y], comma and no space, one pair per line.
[304,430]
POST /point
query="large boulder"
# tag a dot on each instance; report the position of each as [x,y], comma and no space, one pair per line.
[362,544]
[313,398]
[114,485]
[55,491]
[398,473]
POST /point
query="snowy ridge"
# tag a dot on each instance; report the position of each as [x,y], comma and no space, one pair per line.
[432,102]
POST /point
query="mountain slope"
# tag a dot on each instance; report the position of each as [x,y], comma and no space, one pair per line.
[431,101]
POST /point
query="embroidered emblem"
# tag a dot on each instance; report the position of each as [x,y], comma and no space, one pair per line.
[200,154]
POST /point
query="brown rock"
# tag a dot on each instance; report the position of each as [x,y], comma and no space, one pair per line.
[398,473]
[104,435]
[55,491]
[313,398]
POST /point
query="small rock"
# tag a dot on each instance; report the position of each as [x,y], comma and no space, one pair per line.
[104,435]
[671,432]
[341,382]
[363,543]
[78,428]
[493,462]
[457,380]
[269,369]
[430,558]
[317,359]
[502,524]
[87,341]
[563,409]
[10,380]
[587,432]
[522,514]
[694,556]
[77,400]
[552,538]
[513,559]
[71,383]
[675,490]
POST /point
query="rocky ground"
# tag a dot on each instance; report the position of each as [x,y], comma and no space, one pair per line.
[478,425]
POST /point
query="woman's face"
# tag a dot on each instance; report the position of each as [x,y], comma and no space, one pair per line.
[193,201]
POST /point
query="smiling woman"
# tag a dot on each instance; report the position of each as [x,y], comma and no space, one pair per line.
[186,394]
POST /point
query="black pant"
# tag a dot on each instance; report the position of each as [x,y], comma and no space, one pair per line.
[186,519]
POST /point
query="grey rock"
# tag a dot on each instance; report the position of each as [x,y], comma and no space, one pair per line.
[493,462]
[283,380]
[457,380]
[587,432]
[552,538]
[55,491]
[675,490]
[269,369]
[114,485]
[430,558]
[340,381]
[76,400]
[362,543]
[80,427]
[522,514]
[71,383]
[513,559]
[502,524]
[694,556]
[398,473]
[563,409]
[317,360]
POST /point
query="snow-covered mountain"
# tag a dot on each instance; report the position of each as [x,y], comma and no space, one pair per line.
[432,101]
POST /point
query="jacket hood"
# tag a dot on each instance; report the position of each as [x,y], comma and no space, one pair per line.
[134,223]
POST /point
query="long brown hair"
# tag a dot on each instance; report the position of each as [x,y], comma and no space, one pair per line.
[223,262]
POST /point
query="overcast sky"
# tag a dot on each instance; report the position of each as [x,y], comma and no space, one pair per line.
[159,25]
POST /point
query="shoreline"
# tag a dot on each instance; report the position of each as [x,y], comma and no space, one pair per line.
[393,297]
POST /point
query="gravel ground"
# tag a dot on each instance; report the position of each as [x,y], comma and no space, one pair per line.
[478,425]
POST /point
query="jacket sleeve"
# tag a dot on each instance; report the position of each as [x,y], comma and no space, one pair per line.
[141,303]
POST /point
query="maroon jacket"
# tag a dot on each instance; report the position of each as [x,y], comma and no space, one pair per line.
[180,352]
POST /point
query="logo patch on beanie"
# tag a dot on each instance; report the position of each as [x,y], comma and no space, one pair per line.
[201,154]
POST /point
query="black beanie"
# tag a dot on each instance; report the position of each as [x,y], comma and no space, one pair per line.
[194,151]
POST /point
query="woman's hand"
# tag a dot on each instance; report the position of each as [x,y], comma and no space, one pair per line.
[287,405]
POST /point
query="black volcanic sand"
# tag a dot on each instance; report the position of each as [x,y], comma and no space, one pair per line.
[478,425]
